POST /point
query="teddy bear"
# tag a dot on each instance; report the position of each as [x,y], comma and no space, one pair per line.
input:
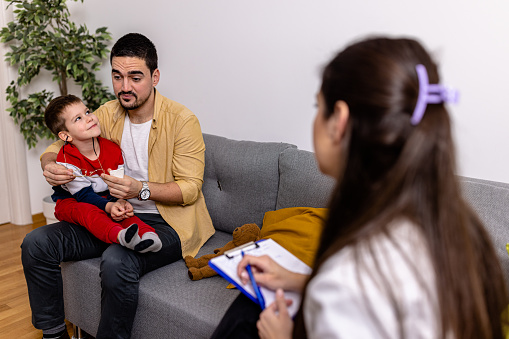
[199,268]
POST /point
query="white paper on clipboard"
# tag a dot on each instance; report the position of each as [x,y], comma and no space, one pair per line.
[226,266]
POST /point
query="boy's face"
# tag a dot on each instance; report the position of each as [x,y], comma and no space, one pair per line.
[81,124]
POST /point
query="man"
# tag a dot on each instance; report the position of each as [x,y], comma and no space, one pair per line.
[164,163]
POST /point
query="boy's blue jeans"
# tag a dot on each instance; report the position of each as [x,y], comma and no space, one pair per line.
[46,247]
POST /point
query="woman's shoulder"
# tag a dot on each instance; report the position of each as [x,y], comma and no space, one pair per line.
[395,255]
[369,279]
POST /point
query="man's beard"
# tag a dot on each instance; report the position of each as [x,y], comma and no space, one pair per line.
[133,104]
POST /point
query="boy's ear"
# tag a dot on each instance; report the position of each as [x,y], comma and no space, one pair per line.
[339,120]
[64,136]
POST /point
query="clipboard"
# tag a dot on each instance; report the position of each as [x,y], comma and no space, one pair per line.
[226,266]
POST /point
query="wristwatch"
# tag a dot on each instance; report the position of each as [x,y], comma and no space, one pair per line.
[144,192]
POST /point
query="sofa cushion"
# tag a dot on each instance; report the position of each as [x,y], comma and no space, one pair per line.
[301,184]
[491,201]
[170,305]
[241,180]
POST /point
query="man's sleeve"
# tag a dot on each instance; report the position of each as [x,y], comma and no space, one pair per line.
[189,160]
[53,148]
[100,113]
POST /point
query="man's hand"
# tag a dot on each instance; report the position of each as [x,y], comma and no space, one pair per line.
[122,188]
[56,174]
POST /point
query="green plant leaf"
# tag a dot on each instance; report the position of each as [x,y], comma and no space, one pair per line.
[43,36]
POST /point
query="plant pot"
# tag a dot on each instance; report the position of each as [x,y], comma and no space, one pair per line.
[48,209]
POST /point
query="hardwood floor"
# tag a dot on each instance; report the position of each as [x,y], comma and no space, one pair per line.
[15,314]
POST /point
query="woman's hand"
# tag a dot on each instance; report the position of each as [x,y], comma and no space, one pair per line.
[269,274]
[275,322]
[266,272]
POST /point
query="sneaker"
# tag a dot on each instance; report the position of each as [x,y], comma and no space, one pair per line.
[64,335]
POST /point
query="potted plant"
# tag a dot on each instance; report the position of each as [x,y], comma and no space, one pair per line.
[43,37]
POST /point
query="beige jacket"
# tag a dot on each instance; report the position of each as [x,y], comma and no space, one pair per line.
[176,153]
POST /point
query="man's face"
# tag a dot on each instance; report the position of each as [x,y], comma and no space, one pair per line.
[132,83]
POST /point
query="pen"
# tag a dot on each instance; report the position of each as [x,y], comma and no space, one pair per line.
[256,288]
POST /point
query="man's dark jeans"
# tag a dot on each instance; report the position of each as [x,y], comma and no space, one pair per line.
[46,247]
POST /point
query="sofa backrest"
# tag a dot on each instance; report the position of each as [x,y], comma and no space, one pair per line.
[491,202]
[301,184]
[285,176]
[241,180]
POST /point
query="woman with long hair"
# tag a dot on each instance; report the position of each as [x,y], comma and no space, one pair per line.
[402,255]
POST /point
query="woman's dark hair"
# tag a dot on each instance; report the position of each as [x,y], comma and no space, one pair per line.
[54,110]
[392,169]
[138,46]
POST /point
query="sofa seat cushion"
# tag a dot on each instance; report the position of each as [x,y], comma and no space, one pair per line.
[170,305]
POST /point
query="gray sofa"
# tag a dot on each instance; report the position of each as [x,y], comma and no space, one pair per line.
[242,181]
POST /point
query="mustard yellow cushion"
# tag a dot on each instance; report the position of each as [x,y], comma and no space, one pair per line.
[297,229]
[505,322]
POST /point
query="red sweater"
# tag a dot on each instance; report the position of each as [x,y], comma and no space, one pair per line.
[88,185]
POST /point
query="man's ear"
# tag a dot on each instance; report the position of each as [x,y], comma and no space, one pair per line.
[64,136]
[155,77]
[339,120]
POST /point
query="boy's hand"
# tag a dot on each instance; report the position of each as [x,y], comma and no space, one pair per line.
[117,211]
[122,188]
[121,210]
[129,211]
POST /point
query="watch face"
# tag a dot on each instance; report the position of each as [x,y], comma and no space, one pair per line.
[145,194]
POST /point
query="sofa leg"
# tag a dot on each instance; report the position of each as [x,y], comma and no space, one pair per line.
[78,333]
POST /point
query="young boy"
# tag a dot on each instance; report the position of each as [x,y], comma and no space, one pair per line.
[86,200]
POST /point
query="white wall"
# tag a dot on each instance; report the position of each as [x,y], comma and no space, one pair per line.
[250,69]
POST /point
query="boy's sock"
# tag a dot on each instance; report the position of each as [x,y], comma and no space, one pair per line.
[150,242]
[129,237]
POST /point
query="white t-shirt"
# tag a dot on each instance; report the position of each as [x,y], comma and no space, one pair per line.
[135,149]
[347,300]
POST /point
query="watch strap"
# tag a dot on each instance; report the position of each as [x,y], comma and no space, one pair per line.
[144,187]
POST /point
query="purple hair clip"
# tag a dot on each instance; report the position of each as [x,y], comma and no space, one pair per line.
[430,94]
